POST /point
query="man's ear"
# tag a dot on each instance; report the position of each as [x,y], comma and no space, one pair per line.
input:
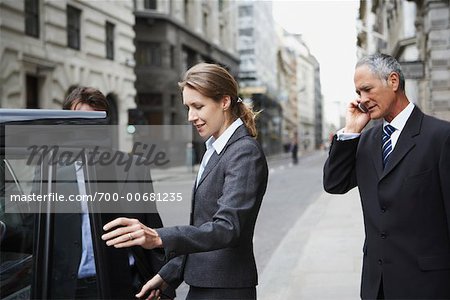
[394,81]
[226,102]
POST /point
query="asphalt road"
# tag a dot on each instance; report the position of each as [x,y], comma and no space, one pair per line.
[291,189]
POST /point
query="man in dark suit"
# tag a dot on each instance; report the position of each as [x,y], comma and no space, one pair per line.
[75,252]
[70,250]
[402,170]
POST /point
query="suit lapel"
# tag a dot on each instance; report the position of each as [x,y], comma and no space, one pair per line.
[405,141]
[376,151]
[240,132]
[212,162]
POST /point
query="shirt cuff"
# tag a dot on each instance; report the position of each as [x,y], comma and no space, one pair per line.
[343,136]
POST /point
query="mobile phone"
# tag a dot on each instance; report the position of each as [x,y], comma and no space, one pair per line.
[362,107]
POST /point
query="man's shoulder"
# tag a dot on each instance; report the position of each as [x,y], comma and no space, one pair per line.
[435,125]
[371,131]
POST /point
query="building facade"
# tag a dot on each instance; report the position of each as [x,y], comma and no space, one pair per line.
[48,47]
[287,90]
[318,106]
[258,69]
[417,34]
[172,36]
[308,92]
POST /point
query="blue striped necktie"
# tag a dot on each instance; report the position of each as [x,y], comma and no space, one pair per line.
[387,144]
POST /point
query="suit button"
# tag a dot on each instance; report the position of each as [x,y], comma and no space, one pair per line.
[383,209]
[73,276]
[172,254]
[383,235]
[380,261]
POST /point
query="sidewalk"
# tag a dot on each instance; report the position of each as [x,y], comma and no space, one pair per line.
[320,258]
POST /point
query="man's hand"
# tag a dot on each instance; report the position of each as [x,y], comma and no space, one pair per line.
[355,120]
[155,285]
[130,232]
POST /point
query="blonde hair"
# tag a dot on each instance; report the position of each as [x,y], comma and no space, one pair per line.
[215,82]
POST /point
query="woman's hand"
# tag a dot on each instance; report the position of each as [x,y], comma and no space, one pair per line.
[155,285]
[130,232]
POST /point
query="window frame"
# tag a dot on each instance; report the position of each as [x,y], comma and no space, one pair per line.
[73,27]
[32,18]
[109,39]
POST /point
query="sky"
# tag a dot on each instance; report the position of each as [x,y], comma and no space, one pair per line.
[329,30]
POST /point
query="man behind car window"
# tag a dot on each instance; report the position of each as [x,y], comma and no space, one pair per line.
[74,269]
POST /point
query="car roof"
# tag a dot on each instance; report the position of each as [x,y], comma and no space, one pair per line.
[17,115]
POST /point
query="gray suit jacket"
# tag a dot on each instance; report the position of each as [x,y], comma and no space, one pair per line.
[216,250]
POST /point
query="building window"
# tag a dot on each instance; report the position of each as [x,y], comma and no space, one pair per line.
[246,32]
[186,11]
[150,4]
[245,11]
[189,58]
[205,23]
[73,27]
[221,5]
[109,28]
[32,91]
[172,57]
[149,100]
[221,33]
[149,54]
[32,18]
[246,51]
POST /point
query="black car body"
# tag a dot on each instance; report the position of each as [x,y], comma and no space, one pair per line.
[29,266]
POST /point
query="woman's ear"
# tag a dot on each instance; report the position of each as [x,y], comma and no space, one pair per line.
[226,102]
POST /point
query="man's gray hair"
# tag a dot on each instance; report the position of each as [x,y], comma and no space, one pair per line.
[383,65]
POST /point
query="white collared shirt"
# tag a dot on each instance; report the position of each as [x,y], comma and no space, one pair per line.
[87,263]
[398,122]
[217,145]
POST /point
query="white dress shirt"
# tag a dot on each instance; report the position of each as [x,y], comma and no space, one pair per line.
[398,122]
[218,145]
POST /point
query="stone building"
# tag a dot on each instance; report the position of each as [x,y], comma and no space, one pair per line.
[287,89]
[48,47]
[257,46]
[172,36]
[308,92]
[417,33]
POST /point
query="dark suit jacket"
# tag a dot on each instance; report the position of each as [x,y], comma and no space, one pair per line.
[217,249]
[67,237]
[406,207]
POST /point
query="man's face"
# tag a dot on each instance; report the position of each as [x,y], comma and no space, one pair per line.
[376,94]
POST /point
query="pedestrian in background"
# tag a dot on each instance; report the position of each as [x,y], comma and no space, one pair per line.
[214,254]
[402,170]
[294,149]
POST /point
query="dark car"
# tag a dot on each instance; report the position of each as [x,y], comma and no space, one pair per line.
[37,245]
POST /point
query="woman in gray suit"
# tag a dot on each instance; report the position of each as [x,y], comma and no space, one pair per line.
[214,254]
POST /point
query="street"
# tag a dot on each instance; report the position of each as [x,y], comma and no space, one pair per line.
[290,191]
[307,243]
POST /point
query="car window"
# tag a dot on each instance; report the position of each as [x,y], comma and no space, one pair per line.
[17,230]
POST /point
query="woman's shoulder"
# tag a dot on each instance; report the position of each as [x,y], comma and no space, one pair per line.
[246,143]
